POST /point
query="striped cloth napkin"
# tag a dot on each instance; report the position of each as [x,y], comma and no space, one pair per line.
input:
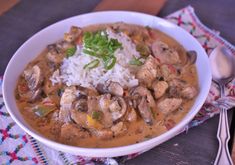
[17,147]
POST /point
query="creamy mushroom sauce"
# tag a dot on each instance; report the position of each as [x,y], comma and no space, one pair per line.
[168,85]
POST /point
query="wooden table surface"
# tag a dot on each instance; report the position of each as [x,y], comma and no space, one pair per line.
[199,145]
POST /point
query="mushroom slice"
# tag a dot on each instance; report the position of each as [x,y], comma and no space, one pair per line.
[141,91]
[87,91]
[164,53]
[54,54]
[117,108]
[81,105]
[159,88]
[115,88]
[111,87]
[169,105]
[145,111]
[79,117]
[33,77]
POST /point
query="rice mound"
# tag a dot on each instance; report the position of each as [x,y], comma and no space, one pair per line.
[72,70]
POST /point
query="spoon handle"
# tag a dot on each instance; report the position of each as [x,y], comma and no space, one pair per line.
[223,156]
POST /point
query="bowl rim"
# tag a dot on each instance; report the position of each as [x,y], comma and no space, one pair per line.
[127,149]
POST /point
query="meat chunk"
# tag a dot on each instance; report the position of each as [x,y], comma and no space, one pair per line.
[180,88]
[168,72]
[33,77]
[29,87]
[159,88]
[66,102]
[189,92]
[132,115]
[73,34]
[119,129]
[164,53]
[148,71]
[169,105]
[104,103]
[70,133]
[103,134]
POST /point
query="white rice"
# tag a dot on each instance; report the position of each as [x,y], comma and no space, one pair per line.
[72,71]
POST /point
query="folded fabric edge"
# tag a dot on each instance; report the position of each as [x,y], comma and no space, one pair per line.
[206,29]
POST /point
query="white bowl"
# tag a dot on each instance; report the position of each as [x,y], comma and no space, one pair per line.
[33,46]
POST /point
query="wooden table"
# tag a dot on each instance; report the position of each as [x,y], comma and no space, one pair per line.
[197,146]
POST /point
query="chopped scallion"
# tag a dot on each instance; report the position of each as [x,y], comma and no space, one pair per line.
[135,61]
[92,64]
[71,51]
[98,44]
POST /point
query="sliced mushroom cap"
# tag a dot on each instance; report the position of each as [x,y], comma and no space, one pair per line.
[81,105]
[140,92]
[164,53]
[145,111]
[117,108]
[54,54]
[191,57]
[86,91]
[79,118]
[111,87]
[33,77]
[115,88]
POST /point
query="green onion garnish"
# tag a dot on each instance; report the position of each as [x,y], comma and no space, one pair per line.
[135,61]
[98,44]
[92,64]
[42,111]
[71,51]
[96,115]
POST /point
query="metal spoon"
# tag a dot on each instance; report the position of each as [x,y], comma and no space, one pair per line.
[222,64]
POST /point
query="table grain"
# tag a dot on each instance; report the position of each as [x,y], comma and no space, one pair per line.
[199,145]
